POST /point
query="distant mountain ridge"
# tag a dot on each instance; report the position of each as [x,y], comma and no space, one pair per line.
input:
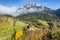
[57,12]
[33,8]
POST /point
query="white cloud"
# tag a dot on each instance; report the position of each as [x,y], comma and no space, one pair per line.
[8,10]
[25,11]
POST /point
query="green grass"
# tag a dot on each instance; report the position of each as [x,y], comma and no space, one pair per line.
[7,28]
[43,22]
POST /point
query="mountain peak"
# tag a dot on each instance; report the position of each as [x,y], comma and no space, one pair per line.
[34,7]
[31,5]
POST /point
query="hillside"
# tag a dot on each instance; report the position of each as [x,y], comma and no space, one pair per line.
[8,25]
[31,26]
[46,26]
[33,17]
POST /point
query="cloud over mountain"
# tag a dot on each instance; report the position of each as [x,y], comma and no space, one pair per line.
[28,8]
[7,10]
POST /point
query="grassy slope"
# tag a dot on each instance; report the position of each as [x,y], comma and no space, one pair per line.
[39,15]
[6,26]
[43,22]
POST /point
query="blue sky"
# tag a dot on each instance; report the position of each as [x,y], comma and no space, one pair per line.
[54,4]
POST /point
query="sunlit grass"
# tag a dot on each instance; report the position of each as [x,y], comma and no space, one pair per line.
[43,22]
[7,28]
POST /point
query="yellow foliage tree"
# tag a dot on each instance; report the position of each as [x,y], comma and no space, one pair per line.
[19,33]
